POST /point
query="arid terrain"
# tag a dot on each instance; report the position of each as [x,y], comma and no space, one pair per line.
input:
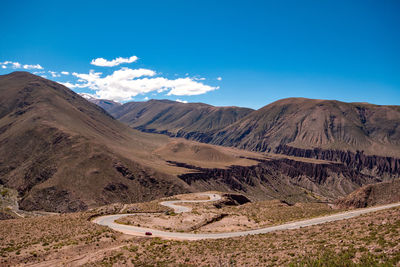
[295,122]
[200,133]
[63,154]
[65,161]
[225,216]
[73,240]
[370,195]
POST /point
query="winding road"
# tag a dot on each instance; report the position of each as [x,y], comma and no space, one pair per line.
[109,220]
[181,209]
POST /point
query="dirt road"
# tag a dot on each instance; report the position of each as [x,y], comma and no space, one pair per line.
[140,231]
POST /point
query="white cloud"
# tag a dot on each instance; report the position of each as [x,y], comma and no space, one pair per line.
[219,78]
[65,72]
[17,65]
[29,67]
[68,84]
[73,85]
[124,84]
[186,86]
[54,74]
[146,98]
[181,101]
[115,62]
[14,65]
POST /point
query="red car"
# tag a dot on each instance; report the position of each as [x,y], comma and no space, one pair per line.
[148,233]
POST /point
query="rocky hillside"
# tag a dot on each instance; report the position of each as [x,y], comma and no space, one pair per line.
[63,153]
[325,124]
[371,195]
[360,135]
[289,179]
[194,121]
[295,122]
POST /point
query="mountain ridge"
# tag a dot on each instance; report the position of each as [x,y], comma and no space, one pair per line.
[297,122]
[63,154]
[176,119]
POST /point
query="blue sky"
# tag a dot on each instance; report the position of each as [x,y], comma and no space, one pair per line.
[262,50]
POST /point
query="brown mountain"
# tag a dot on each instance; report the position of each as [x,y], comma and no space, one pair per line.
[361,135]
[190,120]
[309,123]
[63,153]
[105,104]
[295,122]
[371,195]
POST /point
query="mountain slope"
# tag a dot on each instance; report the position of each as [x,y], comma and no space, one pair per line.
[190,120]
[63,153]
[371,195]
[295,122]
[325,124]
[362,136]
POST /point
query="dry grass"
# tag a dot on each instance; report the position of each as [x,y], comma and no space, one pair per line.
[72,240]
[369,240]
[275,212]
[36,239]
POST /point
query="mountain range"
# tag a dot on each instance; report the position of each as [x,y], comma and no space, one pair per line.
[296,122]
[63,153]
[194,121]
[361,135]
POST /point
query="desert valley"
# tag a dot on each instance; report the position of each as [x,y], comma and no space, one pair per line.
[67,160]
[200,133]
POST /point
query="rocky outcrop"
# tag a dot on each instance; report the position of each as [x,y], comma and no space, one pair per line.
[376,165]
[370,195]
[231,199]
[236,199]
[276,176]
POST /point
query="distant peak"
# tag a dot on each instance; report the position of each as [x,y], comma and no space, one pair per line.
[21,74]
[87,96]
[161,100]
